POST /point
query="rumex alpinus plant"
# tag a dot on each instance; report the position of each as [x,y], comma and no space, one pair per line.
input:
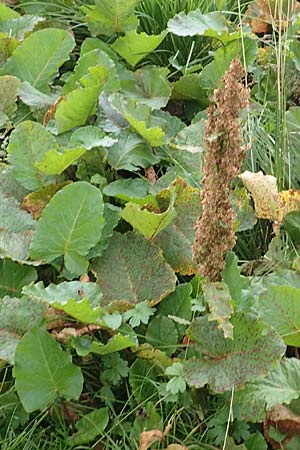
[215,234]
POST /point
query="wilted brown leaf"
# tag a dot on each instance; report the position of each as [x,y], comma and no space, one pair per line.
[148,437]
[35,202]
[285,421]
[262,13]
[263,189]
[269,203]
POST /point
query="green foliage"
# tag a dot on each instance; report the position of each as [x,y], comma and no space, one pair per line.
[14,276]
[279,308]
[225,363]
[195,23]
[130,153]
[18,315]
[280,386]
[122,259]
[9,89]
[162,334]
[39,56]
[141,313]
[50,371]
[66,226]
[107,324]
[133,46]
[109,17]
[16,229]
[29,144]
[219,303]
[79,300]
[90,426]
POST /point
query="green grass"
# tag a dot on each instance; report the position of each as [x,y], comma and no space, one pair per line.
[186,52]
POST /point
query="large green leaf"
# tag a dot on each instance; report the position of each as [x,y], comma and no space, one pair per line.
[38,58]
[16,229]
[149,222]
[90,426]
[130,153]
[135,190]
[43,372]
[76,107]
[244,49]
[228,363]
[188,87]
[133,47]
[69,226]
[90,137]
[28,144]
[177,239]
[186,153]
[34,98]
[120,276]
[191,139]
[280,308]
[18,27]
[17,316]
[14,276]
[90,59]
[8,92]
[55,162]
[139,117]
[80,300]
[111,16]
[281,385]
[149,87]
[7,13]
[92,43]
[195,23]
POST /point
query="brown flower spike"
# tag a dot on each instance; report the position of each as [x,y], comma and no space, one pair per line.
[215,234]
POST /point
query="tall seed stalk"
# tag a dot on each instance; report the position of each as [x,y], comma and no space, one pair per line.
[215,234]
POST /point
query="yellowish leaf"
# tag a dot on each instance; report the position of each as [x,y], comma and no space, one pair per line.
[269,203]
[263,189]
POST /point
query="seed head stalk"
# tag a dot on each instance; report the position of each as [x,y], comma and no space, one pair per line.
[215,234]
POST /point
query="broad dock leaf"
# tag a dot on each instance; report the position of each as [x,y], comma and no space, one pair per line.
[228,363]
[41,366]
[132,270]
[28,145]
[38,58]
[69,226]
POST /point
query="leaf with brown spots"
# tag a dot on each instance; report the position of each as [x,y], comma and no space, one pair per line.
[17,316]
[8,93]
[132,270]
[228,363]
[35,202]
